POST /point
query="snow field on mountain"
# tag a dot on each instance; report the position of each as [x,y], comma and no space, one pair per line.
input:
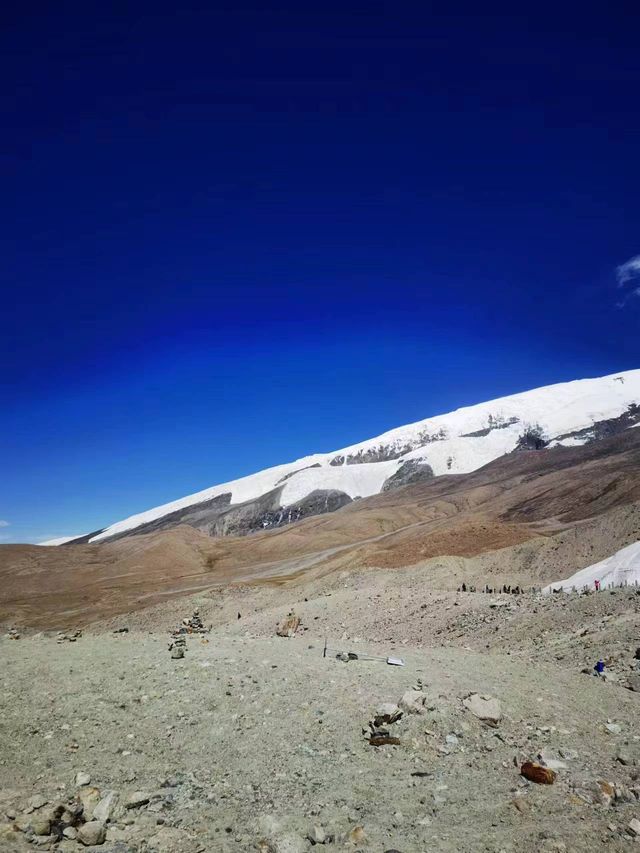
[440,441]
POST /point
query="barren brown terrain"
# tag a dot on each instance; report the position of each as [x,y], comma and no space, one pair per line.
[521,501]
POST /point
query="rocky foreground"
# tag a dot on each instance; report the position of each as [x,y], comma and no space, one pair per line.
[491,737]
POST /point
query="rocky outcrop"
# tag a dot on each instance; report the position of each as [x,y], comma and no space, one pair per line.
[413,471]
[532,438]
[493,422]
[373,454]
[293,473]
[388,452]
[604,428]
[266,512]
[201,516]
[246,517]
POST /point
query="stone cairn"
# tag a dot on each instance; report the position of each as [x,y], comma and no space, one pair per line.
[71,637]
[191,625]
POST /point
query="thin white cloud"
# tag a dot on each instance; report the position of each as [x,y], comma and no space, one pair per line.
[629,272]
[628,278]
[4,523]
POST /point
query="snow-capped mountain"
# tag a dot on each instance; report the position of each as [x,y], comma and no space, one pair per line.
[571,413]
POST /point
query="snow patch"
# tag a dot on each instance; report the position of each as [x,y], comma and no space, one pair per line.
[618,569]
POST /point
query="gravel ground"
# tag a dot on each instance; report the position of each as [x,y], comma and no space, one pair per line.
[255,742]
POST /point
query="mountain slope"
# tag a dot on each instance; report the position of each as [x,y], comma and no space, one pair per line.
[568,414]
[526,518]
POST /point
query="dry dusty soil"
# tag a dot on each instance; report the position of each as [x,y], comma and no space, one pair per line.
[258,742]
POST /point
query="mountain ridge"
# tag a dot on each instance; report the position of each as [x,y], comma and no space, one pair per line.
[568,414]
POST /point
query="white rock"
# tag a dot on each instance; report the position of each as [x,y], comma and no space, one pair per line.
[554,764]
[550,761]
[387,709]
[634,826]
[484,707]
[82,778]
[317,835]
[105,807]
[413,702]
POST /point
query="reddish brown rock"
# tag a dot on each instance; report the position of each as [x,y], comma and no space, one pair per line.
[535,772]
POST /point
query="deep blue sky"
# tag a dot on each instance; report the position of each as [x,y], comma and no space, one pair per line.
[235,234]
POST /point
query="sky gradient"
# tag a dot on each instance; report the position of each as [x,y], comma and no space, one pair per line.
[235,235]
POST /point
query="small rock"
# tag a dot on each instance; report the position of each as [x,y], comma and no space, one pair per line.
[624,757]
[634,827]
[82,779]
[289,625]
[485,708]
[36,802]
[317,835]
[22,822]
[387,709]
[138,798]
[613,728]
[623,794]
[551,762]
[357,835]
[70,832]
[40,825]
[89,797]
[413,702]
[105,807]
[634,683]
[91,833]
[8,832]
[604,791]
[535,772]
